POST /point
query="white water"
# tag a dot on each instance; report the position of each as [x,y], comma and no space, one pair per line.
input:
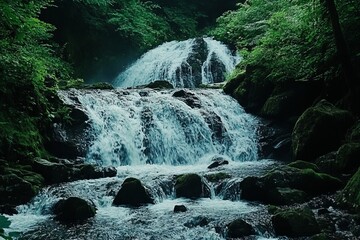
[136,127]
[172,61]
[154,136]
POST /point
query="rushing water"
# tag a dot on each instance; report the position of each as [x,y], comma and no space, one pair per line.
[156,136]
[184,64]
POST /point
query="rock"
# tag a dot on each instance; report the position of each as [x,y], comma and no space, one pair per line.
[304,165]
[354,135]
[132,193]
[8,209]
[279,105]
[190,186]
[160,84]
[319,130]
[280,185]
[98,85]
[88,171]
[180,208]
[18,184]
[215,124]
[198,221]
[327,164]
[73,210]
[188,97]
[348,157]
[239,228]
[320,236]
[216,177]
[350,195]
[298,222]
[52,172]
[218,163]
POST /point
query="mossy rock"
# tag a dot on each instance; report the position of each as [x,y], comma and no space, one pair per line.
[304,165]
[190,186]
[299,222]
[160,84]
[328,164]
[239,228]
[133,193]
[348,157]
[280,105]
[287,185]
[320,236]
[350,195]
[354,135]
[98,85]
[319,130]
[216,177]
[74,209]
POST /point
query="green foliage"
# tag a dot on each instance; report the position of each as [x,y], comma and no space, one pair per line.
[289,40]
[29,73]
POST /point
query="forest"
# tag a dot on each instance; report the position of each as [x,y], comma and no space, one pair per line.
[299,74]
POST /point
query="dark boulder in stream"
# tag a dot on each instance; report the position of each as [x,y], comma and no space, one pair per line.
[191,186]
[133,193]
[73,210]
[239,228]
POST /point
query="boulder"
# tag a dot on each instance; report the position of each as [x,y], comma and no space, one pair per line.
[218,162]
[190,186]
[180,208]
[239,228]
[216,177]
[299,222]
[133,193]
[160,84]
[73,209]
[15,190]
[188,97]
[354,135]
[51,171]
[348,157]
[287,185]
[319,130]
[350,195]
[328,164]
[304,165]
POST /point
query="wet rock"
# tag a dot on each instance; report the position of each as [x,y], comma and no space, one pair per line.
[347,157]
[239,228]
[51,171]
[73,210]
[216,177]
[297,222]
[180,208]
[218,162]
[304,165]
[8,209]
[319,130]
[133,193]
[190,186]
[188,97]
[350,195]
[160,84]
[87,171]
[69,139]
[18,184]
[215,124]
[198,221]
[275,187]
[327,164]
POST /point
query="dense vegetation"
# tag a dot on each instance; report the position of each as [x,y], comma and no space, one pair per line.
[284,41]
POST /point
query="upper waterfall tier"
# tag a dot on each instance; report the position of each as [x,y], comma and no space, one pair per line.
[175,127]
[185,64]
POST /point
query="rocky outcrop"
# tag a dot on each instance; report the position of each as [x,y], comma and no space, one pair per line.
[133,193]
[287,185]
[60,170]
[73,210]
[191,186]
[188,97]
[299,222]
[350,195]
[319,130]
[239,229]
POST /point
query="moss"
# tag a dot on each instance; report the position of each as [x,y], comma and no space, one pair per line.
[279,105]
[303,165]
[216,177]
[319,130]
[351,194]
[348,157]
[160,84]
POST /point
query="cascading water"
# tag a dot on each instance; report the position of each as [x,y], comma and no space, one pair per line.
[156,136]
[145,126]
[185,64]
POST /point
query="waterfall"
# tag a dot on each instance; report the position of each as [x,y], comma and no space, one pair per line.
[173,127]
[185,64]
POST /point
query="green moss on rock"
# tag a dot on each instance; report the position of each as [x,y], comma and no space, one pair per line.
[319,130]
[299,222]
[348,157]
[239,228]
[304,165]
[189,186]
[351,193]
[216,177]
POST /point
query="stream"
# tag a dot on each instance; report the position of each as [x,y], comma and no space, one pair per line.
[156,135]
